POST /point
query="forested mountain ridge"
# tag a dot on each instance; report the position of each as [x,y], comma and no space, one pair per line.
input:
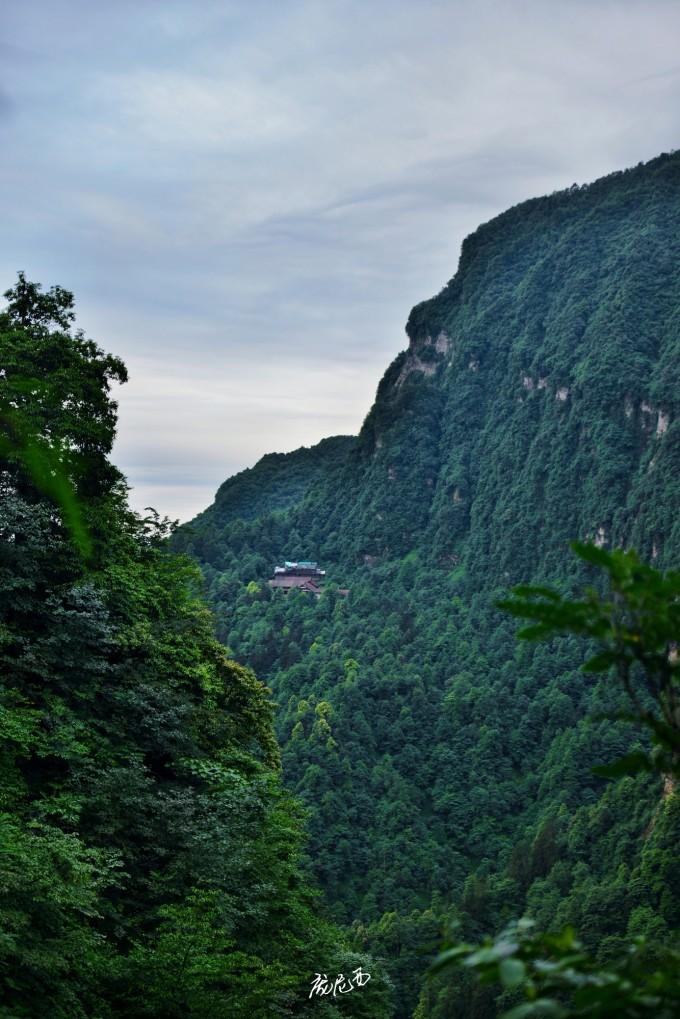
[560,327]
[277,482]
[448,770]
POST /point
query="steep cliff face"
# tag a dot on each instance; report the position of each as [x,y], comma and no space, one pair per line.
[539,389]
[540,383]
[538,401]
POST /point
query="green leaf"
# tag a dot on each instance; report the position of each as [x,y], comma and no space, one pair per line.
[512,972]
[449,956]
[535,632]
[592,554]
[600,662]
[631,764]
[542,1007]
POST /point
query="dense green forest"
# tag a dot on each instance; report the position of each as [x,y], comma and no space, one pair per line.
[447,768]
[149,855]
[180,839]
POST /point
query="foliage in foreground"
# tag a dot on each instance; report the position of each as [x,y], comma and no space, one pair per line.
[636,626]
[149,857]
[637,630]
[559,979]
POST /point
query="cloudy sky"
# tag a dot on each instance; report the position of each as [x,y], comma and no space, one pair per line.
[247,197]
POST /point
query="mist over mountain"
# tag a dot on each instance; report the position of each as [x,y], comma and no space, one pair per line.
[446,768]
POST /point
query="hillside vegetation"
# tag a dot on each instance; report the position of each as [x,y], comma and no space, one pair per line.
[448,769]
[149,855]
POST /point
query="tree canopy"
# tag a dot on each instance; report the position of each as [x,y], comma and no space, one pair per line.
[150,861]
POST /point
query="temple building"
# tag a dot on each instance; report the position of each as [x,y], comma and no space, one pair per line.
[301,576]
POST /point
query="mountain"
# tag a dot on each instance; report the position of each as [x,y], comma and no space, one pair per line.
[447,769]
[278,481]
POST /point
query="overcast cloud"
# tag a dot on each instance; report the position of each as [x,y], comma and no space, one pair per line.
[248,197]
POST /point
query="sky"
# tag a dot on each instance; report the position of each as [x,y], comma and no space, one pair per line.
[247,197]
